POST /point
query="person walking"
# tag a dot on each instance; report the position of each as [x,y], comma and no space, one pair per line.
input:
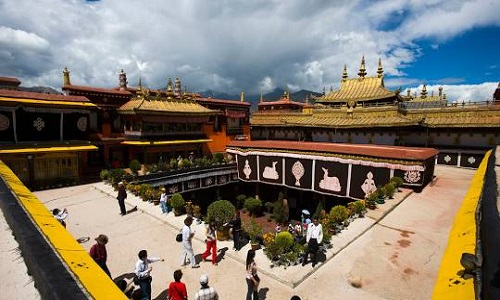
[211,242]
[187,244]
[99,254]
[143,273]
[164,201]
[252,278]
[314,237]
[206,292]
[177,289]
[122,195]
[235,224]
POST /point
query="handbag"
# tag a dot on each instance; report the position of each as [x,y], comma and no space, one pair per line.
[178,237]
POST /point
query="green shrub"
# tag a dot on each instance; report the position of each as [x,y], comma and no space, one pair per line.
[279,210]
[134,166]
[253,206]
[390,189]
[240,200]
[218,157]
[359,207]
[284,240]
[398,181]
[177,201]
[173,163]
[339,214]
[253,230]
[104,174]
[221,212]
[116,175]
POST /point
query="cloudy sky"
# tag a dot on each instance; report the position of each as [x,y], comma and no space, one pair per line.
[254,46]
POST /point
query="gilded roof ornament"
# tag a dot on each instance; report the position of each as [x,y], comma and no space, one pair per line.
[362,68]
[344,73]
[242,97]
[66,80]
[408,92]
[423,94]
[380,70]
[261,97]
[169,85]
[177,89]
[122,77]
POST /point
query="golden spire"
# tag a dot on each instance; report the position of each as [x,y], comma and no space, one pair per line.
[242,97]
[169,85]
[344,74]
[380,70]
[423,94]
[66,80]
[261,97]
[331,88]
[140,83]
[408,92]
[177,88]
[362,68]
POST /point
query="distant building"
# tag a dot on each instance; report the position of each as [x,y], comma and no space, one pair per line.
[364,111]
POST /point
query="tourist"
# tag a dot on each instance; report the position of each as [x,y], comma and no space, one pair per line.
[211,242]
[277,228]
[177,289]
[252,278]
[235,224]
[60,215]
[143,272]
[314,237]
[122,195]
[298,229]
[99,254]
[206,292]
[187,244]
[164,201]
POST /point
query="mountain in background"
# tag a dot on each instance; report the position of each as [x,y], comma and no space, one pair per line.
[298,96]
[40,89]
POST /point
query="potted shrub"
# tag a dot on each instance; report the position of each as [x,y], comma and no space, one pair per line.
[254,231]
[359,208]
[371,202]
[253,206]
[380,195]
[104,175]
[221,212]
[389,189]
[196,211]
[134,166]
[173,163]
[240,200]
[177,203]
[144,191]
[397,181]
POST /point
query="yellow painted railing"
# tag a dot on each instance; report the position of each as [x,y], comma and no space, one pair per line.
[462,239]
[90,275]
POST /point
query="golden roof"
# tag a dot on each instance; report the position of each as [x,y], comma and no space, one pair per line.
[137,105]
[384,117]
[358,89]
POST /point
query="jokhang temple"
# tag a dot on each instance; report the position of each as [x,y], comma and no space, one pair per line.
[338,136]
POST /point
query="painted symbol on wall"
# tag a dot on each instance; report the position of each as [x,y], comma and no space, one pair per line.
[39,124]
[471,160]
[330,183]
[209,181]
[82,123]
[447,159]
[369,185]
[298,171]
[246,169]
[270,172]
[412,176]
[173,189]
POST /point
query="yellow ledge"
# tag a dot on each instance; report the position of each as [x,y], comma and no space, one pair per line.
[48,149]
[159,143]
[462,239]
[76,258]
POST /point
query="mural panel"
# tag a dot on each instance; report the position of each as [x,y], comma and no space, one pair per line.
[271,169]
[6,127]
[410,177]
[366,179]
[331,177]
[37,126]
[247,167]
[447,158]
[298,173]
[471,160]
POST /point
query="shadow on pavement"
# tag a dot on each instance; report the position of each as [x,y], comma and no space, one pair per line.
[263,293]
[162,296]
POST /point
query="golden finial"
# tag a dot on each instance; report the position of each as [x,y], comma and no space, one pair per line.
[261,97]
[66,80]
[140,83]
[242,97]
[380,70]
[362,68]
[344,73]
[423,94]
[408,91]
[169,85]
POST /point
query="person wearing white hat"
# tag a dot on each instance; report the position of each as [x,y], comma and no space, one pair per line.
[206,292]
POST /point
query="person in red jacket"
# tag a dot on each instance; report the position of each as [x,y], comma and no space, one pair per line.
[99,254]
[177,289]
